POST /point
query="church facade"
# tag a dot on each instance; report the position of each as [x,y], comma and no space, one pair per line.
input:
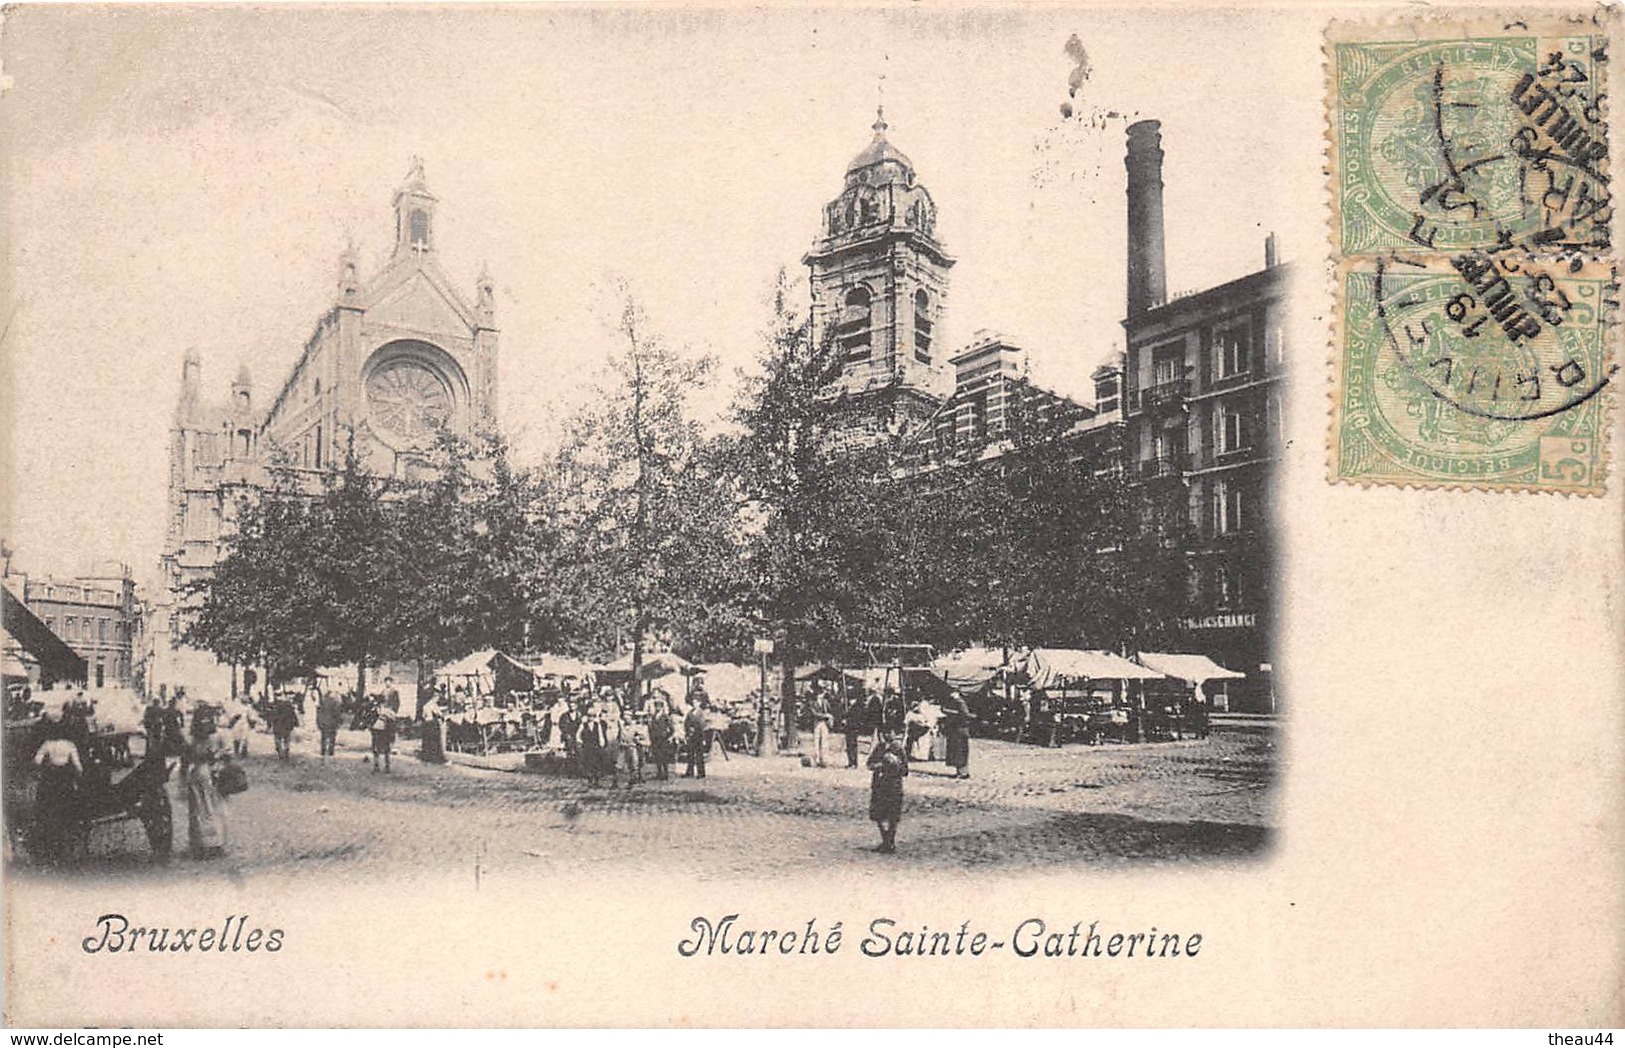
[397,356]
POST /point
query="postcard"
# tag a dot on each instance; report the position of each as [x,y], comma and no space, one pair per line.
[856,516]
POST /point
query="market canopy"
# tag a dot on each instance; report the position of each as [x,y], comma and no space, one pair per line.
[490,668]
[731,682]
[655,666]
[1047,666]
[970,669]
[56,660]
[1194,669]
[547,665]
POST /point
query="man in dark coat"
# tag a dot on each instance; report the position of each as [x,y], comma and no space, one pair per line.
[855,724]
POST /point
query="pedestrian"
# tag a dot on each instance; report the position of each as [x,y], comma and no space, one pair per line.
[152,726]
[329,716]
[205,808]
[57,812]
[872,710]
[662,738]
[433,749]
[383,732]
[888,764]
[284,718]
[174,733]
[569,729]
[592,747]
[696,740]
[956,729]
[853,722]
[822,718]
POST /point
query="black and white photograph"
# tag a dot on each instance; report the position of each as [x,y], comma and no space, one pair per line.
[528,507]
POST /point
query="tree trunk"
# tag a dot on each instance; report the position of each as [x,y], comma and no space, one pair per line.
[361,681]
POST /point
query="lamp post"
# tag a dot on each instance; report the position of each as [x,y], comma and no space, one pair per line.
[764,726]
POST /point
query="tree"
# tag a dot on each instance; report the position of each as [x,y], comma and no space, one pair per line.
[643,521]
[254,608]
[817,565]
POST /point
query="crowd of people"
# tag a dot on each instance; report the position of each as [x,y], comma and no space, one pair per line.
[618,733]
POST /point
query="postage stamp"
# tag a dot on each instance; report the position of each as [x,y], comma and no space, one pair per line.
[1476,290]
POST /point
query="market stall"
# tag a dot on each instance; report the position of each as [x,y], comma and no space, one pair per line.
[1196,696]
[1084,694]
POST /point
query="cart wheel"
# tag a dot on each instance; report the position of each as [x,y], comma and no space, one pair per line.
[157,818]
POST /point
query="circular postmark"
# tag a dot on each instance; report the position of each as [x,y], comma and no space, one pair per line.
[1499,338]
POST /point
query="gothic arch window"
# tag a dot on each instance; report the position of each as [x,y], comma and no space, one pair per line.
[854,331]
[922,326]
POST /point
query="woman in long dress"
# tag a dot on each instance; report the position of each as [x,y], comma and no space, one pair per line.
[57,814]
[205,808]
[956,727]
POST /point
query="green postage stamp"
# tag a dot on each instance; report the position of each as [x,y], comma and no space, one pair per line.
[1476,289]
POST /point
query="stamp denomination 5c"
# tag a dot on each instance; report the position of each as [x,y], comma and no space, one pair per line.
[1476,291]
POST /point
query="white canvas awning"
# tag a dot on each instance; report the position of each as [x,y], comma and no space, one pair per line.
[548,665]
[732,682]
[1047,666]
[653,667]
[1195,669]
[971,668]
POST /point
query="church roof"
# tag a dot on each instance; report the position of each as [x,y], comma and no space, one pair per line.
[880,149]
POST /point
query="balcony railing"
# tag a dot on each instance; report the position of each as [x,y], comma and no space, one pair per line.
[1172,464]
[1165,394]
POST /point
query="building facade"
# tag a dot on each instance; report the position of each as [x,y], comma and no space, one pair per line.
[398,356]
[98,615]
[1202,397]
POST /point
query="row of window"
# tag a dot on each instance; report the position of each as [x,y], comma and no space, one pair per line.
[855,330]
[1233,352]
[89,628]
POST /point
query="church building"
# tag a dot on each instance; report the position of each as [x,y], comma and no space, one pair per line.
[396,357]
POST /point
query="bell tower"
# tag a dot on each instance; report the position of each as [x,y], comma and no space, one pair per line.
[879,286]
[414,214]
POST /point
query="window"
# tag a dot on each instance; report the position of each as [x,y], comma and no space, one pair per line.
[978,416]
[1166,365]
[1232,430]
[1272,418]
[245,440]
[922,327]
[1225,505]
[420,228]
[1274,345]
[853,331]
[1233,350]
[1226,586]
[318,437]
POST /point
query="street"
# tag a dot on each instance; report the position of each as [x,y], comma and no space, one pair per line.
[1025,808]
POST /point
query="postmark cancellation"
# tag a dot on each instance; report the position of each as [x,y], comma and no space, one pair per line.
[1476,287]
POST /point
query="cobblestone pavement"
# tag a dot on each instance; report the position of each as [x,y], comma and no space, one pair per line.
[1023,808]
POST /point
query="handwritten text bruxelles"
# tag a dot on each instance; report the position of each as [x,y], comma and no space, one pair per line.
[885,937]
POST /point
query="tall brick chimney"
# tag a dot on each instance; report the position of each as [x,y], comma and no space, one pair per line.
[1147,264]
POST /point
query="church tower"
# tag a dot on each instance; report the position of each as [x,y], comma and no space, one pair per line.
[879,283]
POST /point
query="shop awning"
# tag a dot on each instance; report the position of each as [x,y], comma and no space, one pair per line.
[1195,669]
[57,661]
[1046,667]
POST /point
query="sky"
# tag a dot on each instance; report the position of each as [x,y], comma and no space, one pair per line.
[187,177]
